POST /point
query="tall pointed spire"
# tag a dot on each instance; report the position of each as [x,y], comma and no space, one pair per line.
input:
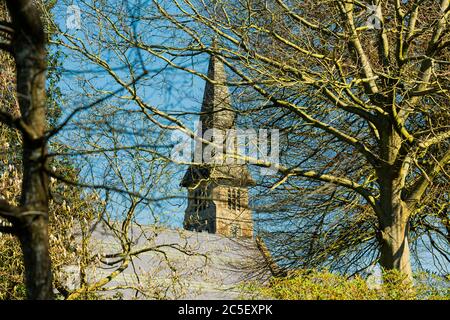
[218,193]
[216,109]
[216,113]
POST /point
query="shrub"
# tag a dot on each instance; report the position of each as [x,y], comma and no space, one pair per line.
[324,285]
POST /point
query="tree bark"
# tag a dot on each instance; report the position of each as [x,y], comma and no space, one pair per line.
[33,225]
[394,237]
[394,213]
[32,221]
[33,237]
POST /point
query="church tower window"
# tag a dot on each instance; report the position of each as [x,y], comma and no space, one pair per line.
[200,199]
[234,199]
[238,199]
[235,230]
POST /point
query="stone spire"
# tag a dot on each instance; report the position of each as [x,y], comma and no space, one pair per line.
[217,113]
[216,109]
[217,193]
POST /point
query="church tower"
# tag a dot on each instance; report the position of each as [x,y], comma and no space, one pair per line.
[218,193]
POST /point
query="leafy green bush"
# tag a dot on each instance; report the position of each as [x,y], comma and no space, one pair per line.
[324,285]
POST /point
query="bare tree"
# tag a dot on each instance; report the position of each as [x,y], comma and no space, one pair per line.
[363,108]
[68,198]
[362,87]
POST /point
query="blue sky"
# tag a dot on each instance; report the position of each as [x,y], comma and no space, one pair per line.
[171,90]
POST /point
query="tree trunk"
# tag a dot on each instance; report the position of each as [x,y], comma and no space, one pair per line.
[32,226]
[33,236]
[394,238]
[393,215]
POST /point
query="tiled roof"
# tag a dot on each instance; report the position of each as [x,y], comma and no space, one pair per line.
[235,174]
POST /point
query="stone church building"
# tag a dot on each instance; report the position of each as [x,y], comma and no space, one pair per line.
[218,193]
[215,251]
